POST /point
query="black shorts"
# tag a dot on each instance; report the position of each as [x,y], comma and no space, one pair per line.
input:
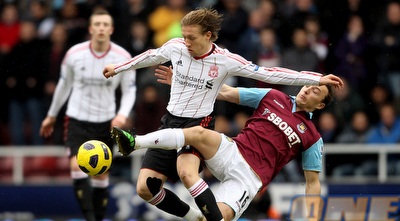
[78,132]
[164,161]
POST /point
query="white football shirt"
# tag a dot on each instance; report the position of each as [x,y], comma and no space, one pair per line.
[92,96]
[197,81]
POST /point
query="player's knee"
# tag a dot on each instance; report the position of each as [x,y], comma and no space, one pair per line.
[188,176]
[198,132]
[189,179]
[147,190]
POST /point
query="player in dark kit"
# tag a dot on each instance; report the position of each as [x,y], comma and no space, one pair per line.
[279,130]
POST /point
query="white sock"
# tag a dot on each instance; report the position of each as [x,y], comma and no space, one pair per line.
[167,139]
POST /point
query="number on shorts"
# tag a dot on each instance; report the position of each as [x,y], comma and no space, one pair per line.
[243,199]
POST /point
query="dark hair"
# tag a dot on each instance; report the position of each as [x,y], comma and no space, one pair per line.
[208,19]
[329,97]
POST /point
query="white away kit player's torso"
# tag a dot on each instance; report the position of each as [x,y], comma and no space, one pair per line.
[92,96]
[196,82]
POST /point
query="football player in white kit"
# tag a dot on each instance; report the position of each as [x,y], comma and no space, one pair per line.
[91,110]
[200,68]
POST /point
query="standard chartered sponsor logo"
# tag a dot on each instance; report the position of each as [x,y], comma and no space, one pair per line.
[189,81]
[292,136]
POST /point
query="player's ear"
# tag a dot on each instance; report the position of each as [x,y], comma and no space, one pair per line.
[320,106]
[208,34]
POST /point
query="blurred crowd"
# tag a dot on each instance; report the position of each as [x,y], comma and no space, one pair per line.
[358,40]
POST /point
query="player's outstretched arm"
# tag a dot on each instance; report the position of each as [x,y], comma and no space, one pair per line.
[228,93]
[313,191]
[109,71]
[333,80]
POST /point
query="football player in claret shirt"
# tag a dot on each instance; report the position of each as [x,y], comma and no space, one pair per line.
[200,68]
[279,130]
[91,109]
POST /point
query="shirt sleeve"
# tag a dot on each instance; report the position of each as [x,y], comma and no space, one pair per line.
[251,96]
[239,66]
[128,89]
[63,88]
[312,157]
[148,58]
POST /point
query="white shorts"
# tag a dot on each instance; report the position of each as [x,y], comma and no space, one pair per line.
[239,184]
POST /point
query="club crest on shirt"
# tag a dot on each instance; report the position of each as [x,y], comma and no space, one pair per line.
[301,127]
[213,72]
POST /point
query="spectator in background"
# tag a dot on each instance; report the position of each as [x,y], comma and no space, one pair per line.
[249,40]
[299,57]
[377,96]
[296,14]
[387,131]
[234,23]
[357,131]
[164,21]
[264,15]
[387,41]
[129,11]
[25,68]
[269,11]
[317,40]
[76,26]
[9,24]
[139,40]
[39,12]
[346,102]
[338,13]
[350,54]
[268,53]
[328,126]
